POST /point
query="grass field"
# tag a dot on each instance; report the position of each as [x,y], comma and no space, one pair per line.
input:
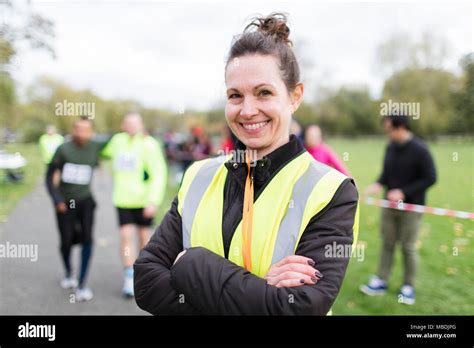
[445,283]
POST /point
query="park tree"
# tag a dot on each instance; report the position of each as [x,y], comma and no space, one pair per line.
[20,29]
[401,51]
[463,120]
[7,85]
[416,75]
[44,95]
[305,115]
[432,89]
[348,111]
[40,107]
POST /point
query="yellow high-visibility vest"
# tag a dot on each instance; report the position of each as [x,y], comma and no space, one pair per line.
[48,145]
[301,189]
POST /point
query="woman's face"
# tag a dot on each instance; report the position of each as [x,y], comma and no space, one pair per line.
[259,106]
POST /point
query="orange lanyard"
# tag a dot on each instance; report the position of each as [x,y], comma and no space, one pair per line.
[247,219]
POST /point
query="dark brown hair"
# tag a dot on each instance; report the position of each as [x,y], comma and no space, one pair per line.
[84,118]
[269,36]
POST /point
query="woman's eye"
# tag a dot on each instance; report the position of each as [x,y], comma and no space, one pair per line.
[233,96]
[265,92]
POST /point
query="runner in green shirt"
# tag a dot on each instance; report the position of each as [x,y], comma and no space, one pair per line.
[49,142]
[140,175]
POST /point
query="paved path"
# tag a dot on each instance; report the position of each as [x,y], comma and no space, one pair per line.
[28,287]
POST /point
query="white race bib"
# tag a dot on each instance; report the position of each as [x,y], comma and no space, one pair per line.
[125,163]
[79,174]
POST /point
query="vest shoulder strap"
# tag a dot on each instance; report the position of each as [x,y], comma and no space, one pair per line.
[195,182]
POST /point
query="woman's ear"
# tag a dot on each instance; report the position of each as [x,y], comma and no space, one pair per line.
[296,97]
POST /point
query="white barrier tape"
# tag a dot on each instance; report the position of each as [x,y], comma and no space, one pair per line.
[418,208]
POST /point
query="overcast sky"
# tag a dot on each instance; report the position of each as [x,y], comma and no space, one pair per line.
[171,55]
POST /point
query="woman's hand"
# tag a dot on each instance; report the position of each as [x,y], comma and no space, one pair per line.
[293,270]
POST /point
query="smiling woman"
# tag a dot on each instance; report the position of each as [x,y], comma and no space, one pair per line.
[248,237]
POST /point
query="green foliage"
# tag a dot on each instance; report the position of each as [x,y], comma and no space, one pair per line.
[6,51]
[21,25]
[349,111]
[463,120]
[7,85]
[32,130]
[432,89]
[7,99]
[46,94]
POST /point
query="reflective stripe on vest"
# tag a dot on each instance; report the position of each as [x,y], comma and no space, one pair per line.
[301,189]
[290,226]
[198,186]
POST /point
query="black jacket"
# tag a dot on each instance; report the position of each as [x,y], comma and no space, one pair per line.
[409,167]
[202,282]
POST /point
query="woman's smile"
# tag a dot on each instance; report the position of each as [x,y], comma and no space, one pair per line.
[254,128]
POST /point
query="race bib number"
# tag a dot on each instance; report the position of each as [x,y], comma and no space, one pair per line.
[79,174]
[125,163]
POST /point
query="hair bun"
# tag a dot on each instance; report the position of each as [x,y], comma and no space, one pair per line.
[272,25]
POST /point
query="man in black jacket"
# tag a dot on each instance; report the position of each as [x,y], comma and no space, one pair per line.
[202,282]
[408,171]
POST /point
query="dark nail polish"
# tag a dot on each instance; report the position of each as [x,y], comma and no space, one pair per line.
[318,274]
[311,262]
[302,281]
[314,279]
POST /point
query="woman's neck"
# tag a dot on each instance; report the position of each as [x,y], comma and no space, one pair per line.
[260,153]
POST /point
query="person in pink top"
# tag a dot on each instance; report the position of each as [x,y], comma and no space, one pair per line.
[322,152]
